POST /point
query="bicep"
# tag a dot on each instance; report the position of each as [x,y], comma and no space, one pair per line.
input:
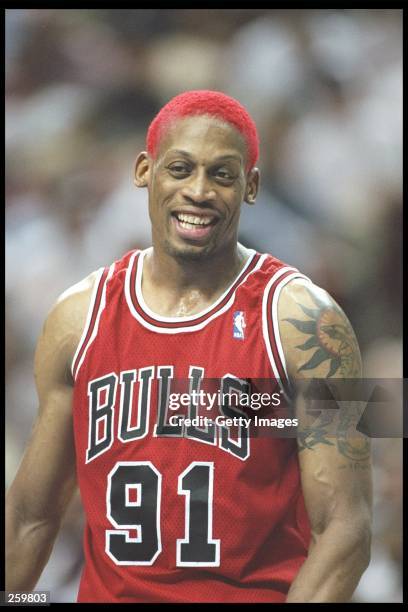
[334,457]
[336,480]
[46,478]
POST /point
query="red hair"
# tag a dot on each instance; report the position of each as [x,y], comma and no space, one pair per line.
[204,102]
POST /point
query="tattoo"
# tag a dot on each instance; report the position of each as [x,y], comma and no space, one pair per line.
[355,466]
[308,437]
[350,443]
[333,337]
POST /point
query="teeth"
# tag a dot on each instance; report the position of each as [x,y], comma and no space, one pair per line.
[188,225]
[193,220]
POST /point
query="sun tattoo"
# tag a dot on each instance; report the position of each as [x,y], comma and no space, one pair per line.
[333,337]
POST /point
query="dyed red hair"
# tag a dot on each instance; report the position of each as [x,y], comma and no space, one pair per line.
[204,102]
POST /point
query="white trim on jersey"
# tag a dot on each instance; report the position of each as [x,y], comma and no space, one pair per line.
[144,306]
[98,316]
[275,322]
[177,330]
[88,319]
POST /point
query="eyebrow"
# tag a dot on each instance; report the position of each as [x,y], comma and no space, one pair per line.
[218,159]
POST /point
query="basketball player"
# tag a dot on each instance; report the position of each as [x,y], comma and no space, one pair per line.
[176,512]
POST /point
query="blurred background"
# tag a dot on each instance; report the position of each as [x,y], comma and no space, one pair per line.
[325,89]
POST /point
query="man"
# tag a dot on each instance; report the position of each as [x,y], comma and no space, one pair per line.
[177,512]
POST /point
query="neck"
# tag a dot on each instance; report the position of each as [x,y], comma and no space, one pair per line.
[208,275]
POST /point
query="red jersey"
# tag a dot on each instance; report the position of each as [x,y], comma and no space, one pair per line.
[177,511]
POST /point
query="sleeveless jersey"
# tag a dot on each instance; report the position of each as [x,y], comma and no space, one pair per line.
[179,512]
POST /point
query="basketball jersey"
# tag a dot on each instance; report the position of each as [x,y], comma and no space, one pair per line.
[176,511]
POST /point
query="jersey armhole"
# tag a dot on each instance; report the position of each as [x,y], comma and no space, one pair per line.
[96,305]
[270,326]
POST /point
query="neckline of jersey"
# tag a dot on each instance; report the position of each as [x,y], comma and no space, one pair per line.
[159,319]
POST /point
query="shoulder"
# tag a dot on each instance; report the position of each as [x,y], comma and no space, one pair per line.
[298,290]
[64,325]
[68,314]
[317,337]
[72,305]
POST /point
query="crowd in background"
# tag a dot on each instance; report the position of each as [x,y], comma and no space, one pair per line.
[325,89]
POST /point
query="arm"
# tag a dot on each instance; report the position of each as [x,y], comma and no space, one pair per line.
[46,479]
[334,458]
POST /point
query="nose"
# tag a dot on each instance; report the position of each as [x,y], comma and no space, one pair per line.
[197,188]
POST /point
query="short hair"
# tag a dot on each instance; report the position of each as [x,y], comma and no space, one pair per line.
[205,102]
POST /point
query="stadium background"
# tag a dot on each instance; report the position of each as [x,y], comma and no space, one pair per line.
[325,88]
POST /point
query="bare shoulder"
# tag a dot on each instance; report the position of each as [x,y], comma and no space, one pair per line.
[62,330]
[317,337]
[71,307]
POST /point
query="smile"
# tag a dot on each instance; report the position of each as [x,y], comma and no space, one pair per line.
[191,221]
[192,226]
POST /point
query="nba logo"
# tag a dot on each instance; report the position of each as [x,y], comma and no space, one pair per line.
[239,325]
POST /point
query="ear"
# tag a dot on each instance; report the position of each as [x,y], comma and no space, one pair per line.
[252,186]
[142,169]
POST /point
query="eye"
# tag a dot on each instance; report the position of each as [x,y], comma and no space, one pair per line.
[179,169]
[224,175]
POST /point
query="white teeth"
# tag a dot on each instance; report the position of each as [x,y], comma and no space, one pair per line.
[188,225]
[193,220]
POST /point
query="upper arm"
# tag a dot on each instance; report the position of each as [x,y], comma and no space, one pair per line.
[46,478]
[334,457]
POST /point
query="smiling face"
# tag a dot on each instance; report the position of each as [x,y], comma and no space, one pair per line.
[196,186]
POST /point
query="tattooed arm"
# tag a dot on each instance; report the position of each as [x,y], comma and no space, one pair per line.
[334,459]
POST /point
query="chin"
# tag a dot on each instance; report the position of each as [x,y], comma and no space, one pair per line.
[188,252]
